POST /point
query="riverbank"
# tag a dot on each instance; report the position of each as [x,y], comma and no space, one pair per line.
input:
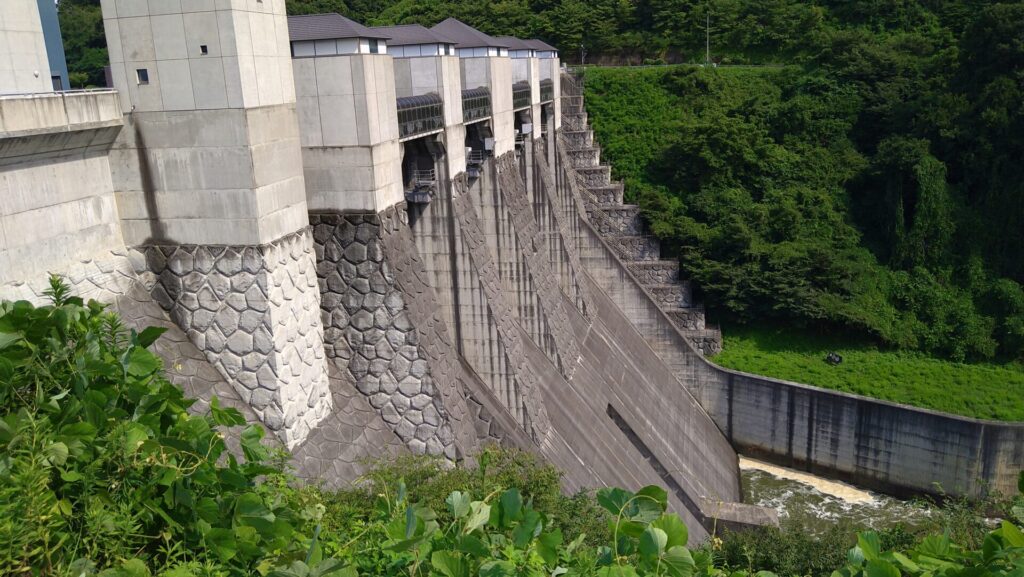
[982,390]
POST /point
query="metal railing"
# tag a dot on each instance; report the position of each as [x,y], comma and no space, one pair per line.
[521,95]
[424,177]
[547,90]
[420,114]
[476,157]
[476,104]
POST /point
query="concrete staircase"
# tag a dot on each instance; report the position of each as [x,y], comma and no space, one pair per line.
[624,230]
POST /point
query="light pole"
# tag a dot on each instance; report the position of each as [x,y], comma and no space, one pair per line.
[583,55]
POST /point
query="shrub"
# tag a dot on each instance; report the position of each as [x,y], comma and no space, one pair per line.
[102,463]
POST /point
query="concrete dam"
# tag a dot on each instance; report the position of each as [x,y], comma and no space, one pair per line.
[378,241]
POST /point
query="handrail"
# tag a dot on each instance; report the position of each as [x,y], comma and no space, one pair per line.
[60,93]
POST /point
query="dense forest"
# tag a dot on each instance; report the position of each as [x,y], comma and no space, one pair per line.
[870,180]
[873,186]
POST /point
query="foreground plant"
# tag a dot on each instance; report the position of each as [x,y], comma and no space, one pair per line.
[100,461]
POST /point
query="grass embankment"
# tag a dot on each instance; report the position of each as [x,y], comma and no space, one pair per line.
[980,390]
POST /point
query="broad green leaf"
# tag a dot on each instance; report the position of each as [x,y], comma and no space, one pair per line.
[855,556]
[333,568]
[149,336]
[613,499]
[134,568]
[8,339]
[142,363]
[511,507]
[497,569]
[617,571]
[208,510]
[134,435]
[547,546]
[904,562]
[248,540]
[479,513]
[229,417]
[652,542]
[658,494]
[70,476]
[222,543]
[252,448]
[869,545]
[880,568]
[449,564]
[57,454]
[458,504]
[678,562]
[250,510]
[674,528]
[527,529]
[472,545]
[1012,534]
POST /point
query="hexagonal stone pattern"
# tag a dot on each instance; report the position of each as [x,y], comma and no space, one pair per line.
[255,313]
[370,334]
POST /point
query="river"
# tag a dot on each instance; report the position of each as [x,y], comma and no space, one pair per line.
[818,504]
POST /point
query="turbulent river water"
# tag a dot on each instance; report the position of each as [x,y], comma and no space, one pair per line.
[819,504]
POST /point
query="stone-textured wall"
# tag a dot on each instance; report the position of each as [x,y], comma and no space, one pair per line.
[254,312]
[370,333]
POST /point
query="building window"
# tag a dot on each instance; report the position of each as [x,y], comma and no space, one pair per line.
[374,46]
[142,75]
[204,49]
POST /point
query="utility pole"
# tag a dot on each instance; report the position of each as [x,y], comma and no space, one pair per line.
[707,40]
[583,55]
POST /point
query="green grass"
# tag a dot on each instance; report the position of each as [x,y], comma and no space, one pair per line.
[982,390]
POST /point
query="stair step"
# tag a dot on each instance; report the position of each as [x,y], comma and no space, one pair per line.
[586,157]
[655,272]
[579,138]
[595,176]
[688,318]
[632,248]
[609,194]
[674,295]
[622,219]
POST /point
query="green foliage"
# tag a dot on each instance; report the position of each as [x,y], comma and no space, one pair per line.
[85,47]
[834,194]
[980,390]
[100,461]
[104,472]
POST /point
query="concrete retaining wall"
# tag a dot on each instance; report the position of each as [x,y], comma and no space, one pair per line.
[889,447]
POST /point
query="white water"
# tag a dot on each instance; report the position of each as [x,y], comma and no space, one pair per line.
[818,504]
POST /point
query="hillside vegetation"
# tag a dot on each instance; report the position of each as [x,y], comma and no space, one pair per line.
[104,473]
[871,190]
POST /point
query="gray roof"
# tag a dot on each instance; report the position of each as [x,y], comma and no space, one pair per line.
[540,45]
[465,36]
[327,27]
[514,43]
[408,34]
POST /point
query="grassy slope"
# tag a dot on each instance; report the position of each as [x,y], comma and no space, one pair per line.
[634,117]
[984,390]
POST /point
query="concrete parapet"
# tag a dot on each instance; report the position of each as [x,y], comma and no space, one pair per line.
[57,205]
[893,448]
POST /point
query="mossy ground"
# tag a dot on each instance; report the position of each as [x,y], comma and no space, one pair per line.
[980,390]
